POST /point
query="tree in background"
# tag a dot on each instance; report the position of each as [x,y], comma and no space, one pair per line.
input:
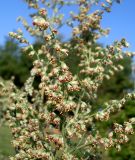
[13,63]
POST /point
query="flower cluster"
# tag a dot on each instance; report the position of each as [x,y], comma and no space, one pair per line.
[18,36]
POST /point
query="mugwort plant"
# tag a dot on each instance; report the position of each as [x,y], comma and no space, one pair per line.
[49,120]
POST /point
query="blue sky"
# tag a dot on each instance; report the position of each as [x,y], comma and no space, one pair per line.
[121,21]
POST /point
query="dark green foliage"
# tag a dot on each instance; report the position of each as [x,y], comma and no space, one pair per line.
[13,63]
[118,84]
